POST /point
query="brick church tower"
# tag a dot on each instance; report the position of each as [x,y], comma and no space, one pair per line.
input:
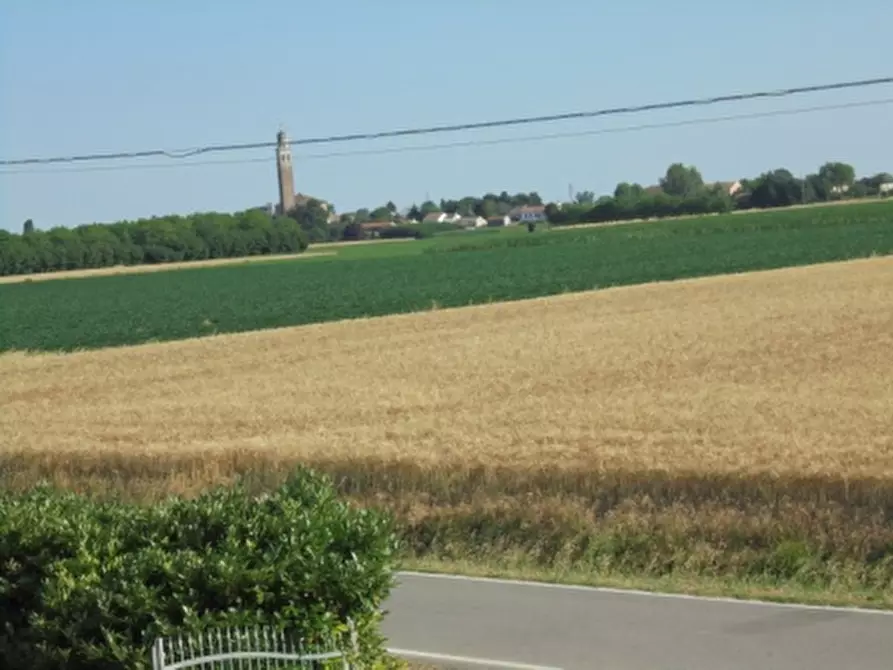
[285,172]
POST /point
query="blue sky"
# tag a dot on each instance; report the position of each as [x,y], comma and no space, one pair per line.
[103,75]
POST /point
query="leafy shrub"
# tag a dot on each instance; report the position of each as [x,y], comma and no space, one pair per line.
[87,584]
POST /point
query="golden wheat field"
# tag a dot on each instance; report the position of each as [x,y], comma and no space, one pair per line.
[778,372]
[692,427]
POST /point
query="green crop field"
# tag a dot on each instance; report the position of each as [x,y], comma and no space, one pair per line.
[446,271]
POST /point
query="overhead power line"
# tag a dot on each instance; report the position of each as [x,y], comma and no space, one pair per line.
[472,143]
[634,109]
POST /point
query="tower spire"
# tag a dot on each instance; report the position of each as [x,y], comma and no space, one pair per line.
[285,172]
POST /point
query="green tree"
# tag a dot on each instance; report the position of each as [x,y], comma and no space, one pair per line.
[212,229]
[874,183]
[584,198]
[626,191]
[16,255]
[468,206]
[778,188]
[488,207]
[68,248]
[859,190]
[382,213]
[415,213]
[881,178]
[313,220]
[43,255]
[815,189]
[839,175]
[682,180]
[28,227]
[288,236]
[101,246]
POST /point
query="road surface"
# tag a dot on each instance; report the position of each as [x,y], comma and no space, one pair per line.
[534,626]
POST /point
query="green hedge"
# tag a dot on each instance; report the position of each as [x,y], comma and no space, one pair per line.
[402,232]
[89,584]
[157,240]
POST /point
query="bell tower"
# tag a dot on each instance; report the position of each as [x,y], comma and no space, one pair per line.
[285,172]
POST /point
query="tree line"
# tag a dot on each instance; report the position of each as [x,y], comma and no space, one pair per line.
[315,218]
[683,191]
[491,204]
[155,240]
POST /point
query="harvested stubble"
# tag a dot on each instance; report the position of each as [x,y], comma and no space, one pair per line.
[737,426]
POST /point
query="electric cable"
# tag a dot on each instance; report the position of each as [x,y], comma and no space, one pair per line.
[633,109]
[472,143]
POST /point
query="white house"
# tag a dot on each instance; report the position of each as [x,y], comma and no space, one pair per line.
[440,217]
[730,187]
[886,187]
[472,222]
[528,213]
[499,221]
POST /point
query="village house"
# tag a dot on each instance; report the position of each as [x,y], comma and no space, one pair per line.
[374,228]
[528,213]
[499,221]
[440,217]
[472,222]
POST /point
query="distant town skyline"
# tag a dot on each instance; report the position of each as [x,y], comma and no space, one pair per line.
[96,84]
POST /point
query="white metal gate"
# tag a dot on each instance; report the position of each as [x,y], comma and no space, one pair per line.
[248,648]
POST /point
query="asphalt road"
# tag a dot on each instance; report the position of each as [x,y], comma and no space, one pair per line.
[571,628]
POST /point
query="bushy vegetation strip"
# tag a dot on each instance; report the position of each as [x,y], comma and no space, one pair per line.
[86,584]
[150,241]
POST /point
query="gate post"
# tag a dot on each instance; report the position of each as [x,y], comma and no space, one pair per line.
[158,654]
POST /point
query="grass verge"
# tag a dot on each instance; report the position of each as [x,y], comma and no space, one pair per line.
[519,568]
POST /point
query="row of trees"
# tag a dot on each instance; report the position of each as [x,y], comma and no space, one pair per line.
[155,240]
[315,219]
[490,204]
[682,191]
